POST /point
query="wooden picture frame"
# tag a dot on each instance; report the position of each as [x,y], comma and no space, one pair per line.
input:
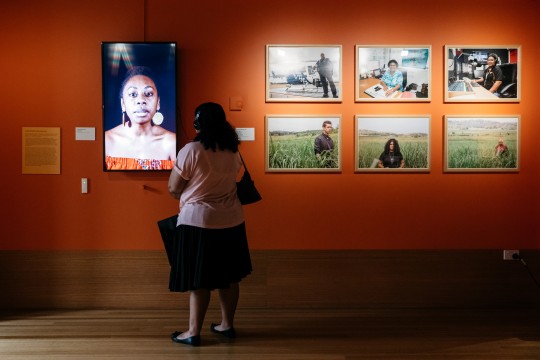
[303,73]
[464,63]
[296,143]
[394,73]
[482,143]
[408,134]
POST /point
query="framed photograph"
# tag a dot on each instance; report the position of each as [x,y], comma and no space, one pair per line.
[139,106]
[476,73]
[481,143]
[303,73]
[392,143]
[393,73]
[303,143]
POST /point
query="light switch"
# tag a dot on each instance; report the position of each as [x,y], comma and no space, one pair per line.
[84,186]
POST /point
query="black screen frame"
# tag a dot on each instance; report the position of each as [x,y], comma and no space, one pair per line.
[116,59]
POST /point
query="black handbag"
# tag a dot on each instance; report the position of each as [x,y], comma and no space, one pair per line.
[245,188]
[167,228]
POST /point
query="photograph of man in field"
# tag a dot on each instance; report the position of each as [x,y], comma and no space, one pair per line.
[482,143]
[387,143]
[303,143]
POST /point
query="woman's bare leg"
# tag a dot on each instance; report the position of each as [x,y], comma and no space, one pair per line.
[228,300]
[198,304]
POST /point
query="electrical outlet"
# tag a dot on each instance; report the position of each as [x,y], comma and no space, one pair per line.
[510,254]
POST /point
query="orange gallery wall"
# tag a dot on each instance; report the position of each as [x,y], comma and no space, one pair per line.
[51,77]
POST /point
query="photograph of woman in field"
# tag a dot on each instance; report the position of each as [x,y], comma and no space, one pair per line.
[482,143]
[388,143]
[297,143]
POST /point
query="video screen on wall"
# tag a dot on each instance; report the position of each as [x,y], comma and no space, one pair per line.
[139,105]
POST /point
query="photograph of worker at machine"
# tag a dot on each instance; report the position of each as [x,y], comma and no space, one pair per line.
[302,73]
[482,73]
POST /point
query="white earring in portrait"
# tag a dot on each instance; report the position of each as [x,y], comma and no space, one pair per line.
[158,118]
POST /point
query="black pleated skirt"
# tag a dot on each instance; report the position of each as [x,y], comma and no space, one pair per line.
[208,258]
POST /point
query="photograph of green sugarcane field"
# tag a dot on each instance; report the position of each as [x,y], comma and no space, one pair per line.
[299,143]
[392,143]
[482,143]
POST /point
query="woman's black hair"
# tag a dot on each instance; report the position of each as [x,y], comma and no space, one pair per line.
[215,132]
[397,151]
[393,61]
[493,55]
[135,71]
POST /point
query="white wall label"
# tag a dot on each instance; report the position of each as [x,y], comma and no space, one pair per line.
[85,133]
[246,134]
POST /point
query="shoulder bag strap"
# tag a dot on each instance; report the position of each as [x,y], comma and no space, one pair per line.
[243,163]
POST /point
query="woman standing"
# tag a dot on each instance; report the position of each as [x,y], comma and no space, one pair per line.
[211,250]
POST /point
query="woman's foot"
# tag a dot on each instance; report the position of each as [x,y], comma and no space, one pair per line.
[218,329]
[185,338]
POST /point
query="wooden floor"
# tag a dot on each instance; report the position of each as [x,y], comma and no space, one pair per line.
[276,334]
